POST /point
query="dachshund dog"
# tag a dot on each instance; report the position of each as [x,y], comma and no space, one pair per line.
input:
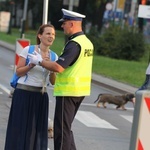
[119,100]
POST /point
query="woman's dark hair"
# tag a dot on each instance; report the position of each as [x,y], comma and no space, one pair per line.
[41,30]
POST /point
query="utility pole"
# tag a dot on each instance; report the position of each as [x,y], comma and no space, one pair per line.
[24,18]
[45,11]
[71,5]
[11,3]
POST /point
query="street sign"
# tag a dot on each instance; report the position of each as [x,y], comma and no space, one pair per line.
[4,21]
[144,11]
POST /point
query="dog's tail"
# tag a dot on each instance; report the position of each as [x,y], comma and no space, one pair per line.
[98,98]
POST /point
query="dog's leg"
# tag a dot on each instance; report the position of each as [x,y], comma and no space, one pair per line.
[118,106]
[133,101]
[123,108]
[98,104]
[104,104]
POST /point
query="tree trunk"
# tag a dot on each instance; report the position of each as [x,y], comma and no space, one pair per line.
[101,11]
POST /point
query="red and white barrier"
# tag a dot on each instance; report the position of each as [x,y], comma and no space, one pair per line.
[143,138]
[20,44]
[140,134]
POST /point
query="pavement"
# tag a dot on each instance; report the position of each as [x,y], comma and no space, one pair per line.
[97,79]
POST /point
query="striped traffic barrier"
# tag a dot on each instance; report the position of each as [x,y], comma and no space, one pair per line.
[141,122]
[20,45]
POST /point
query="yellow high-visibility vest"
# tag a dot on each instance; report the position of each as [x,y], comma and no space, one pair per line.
[76,79]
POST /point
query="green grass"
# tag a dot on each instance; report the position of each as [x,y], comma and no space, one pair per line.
[31,35]
[129,72]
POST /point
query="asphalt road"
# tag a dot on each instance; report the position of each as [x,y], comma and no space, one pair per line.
[94,128]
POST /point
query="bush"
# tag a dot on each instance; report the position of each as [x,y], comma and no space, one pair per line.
[119,43]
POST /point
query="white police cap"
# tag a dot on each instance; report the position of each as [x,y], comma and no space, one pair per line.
[70,15]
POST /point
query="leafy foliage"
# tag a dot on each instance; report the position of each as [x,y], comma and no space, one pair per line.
[119,43]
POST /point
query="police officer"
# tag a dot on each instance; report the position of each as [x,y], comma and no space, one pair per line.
[73,80]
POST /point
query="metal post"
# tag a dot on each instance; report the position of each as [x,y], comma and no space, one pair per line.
[115,10]
[71,5]
[24,17]
[45,11]
[10,21]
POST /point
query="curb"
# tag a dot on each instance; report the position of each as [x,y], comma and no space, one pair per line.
[7,45]
[114,85]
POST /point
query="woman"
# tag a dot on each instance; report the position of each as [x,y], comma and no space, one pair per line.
[28,119]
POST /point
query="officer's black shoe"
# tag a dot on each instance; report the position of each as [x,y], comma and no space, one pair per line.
[146,84]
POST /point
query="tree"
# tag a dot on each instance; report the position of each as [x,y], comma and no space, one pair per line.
[55,13]
[95,10]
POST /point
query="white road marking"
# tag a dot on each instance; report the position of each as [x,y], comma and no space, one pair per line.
[128,108]
[4,89]
[87,118]
[129,118]
[11,67]
[88,104]
[91,120]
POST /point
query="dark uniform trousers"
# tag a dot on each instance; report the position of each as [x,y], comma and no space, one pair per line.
[65,111]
